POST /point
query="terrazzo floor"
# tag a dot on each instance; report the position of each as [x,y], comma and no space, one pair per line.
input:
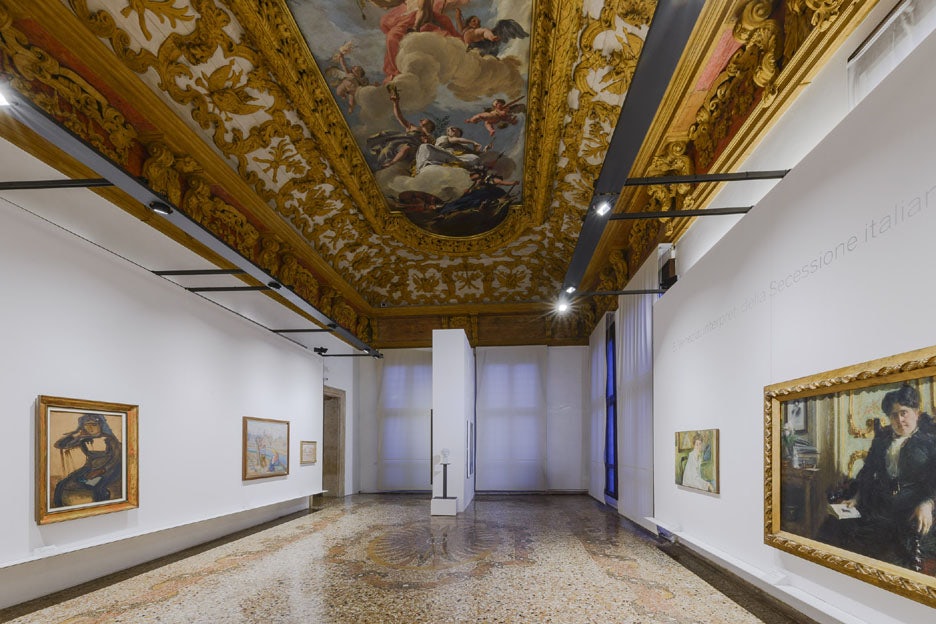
[383,559]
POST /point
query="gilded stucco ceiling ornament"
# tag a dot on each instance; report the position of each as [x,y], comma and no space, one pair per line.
[748,76]
[64,94]
[611,42]
[804,16]
[467,322]
[668,197]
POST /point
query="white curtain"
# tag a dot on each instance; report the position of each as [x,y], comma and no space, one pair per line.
[596,410]
[404,406]
[512,415]
[635,393]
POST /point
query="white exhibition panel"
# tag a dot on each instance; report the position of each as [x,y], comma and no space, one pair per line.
[830,269]
[80,322]
[595,411]
[634,350]
[453,407]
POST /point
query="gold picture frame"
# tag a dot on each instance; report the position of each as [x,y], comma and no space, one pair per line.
[307,452]
[86,458]
[832,496]
[265,449]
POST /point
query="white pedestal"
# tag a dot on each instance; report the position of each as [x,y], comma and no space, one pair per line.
[443,507]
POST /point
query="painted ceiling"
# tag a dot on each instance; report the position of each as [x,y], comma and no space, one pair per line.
[408,165]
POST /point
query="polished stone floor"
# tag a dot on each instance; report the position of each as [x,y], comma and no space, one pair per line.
[383,559]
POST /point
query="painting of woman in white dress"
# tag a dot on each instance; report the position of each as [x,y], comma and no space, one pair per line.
[697,459]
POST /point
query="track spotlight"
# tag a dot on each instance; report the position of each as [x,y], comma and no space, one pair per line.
[570,290]
[562,306]
[320,350]
[160,208]
[603,208]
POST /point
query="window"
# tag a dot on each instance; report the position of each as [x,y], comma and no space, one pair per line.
[610,489]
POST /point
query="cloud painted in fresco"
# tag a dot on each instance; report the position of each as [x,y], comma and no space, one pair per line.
[429,61]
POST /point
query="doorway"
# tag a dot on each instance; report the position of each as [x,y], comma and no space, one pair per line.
[333,442]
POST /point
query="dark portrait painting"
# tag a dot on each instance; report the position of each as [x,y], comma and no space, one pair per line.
[851,471]
[434,92]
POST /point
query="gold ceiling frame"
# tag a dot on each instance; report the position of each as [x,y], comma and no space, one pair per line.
[279,41]
[784,66]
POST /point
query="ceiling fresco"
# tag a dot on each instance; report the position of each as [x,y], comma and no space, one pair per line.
[409,165]
[434,93]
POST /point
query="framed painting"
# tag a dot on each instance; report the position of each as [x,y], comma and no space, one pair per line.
[86,458]
[852,486]
[697,459]
[265,451]
[307,451]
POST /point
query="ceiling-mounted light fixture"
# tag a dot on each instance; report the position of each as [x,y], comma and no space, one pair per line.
[562,306]
[603,208]
[570,290]
[3,100]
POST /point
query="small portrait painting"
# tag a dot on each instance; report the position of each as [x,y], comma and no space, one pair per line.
[697,459]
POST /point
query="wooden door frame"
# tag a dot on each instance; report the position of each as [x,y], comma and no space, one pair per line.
[336,393]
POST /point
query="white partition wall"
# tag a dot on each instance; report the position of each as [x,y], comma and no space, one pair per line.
[79,322]
[635,393]
[830,269]
[453,409]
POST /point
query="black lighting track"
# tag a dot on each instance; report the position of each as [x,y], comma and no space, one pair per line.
[35,185]
[200,289]
[302,331]
[633,291]
[738,176]
[200,272]
[672,24]
[672,214]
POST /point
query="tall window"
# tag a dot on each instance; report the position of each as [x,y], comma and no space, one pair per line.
[610,414]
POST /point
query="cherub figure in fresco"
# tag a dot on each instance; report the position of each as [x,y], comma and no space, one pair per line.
[347,80]
[487,41]
[499,115]
[391,147]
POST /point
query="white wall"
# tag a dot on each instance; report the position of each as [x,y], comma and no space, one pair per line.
[79,322]
[747,315]
[634,336]
[595,411]
[453,398]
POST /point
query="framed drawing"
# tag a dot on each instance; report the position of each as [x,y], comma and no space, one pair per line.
[86,458]
[307,452]
[265,451]
[853,488]
[697,459]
